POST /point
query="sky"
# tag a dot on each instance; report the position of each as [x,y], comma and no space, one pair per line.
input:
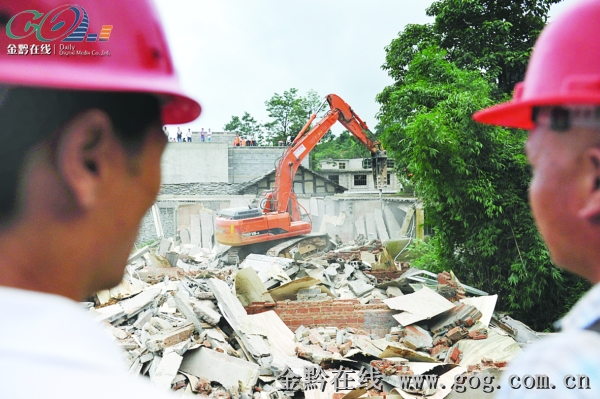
[233,55]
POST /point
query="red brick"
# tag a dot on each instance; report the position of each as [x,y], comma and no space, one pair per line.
[437,349]
[454,355]
[302,310]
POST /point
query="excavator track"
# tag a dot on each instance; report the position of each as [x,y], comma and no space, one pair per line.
[302,246]
[294,248]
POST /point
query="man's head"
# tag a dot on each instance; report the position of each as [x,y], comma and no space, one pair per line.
[559,102]
[81,145]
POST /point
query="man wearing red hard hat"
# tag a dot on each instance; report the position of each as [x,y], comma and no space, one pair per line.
[84,91]
[559,102]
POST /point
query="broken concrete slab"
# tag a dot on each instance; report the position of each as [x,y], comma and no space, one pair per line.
[394,228]
[360,287]
[249,288]
[165,339]
[206,221]
[361,230]
[518,331]
[166,370]
[172,257]
[165,246]
[407,222]
[460,315]
[371,227]
[409,354]
[421,305]
[184,235]
[290,290]
[268,267]
[226,370]
[280,337]
[380,225]
[235,314]
[485,304]
[195,230]
[182,301]
[393,291]
[417,338]
[497,347]
[133,305]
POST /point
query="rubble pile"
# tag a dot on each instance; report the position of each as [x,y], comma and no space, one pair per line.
[180,315]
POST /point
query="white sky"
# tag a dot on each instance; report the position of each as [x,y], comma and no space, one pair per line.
[233,55]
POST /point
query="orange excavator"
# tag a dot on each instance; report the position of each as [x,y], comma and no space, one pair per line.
[278,215]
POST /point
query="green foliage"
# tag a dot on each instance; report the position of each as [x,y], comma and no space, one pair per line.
[494,37]
[344,146]
[289,113]
[246,126]
[473,181]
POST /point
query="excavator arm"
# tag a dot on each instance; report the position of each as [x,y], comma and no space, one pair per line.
[279,215]
[282,198]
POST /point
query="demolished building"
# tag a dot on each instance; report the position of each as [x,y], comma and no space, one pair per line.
[276,327]
[351,321]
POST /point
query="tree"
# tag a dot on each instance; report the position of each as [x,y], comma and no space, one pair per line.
[246,126]
[494,37]
[473,181]
[289,112]
[344,146]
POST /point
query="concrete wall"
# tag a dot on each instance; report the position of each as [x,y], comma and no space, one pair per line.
[247,163]
[217,162]
[195,163]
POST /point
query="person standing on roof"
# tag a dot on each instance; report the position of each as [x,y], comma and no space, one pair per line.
[559,102]
[208,135]
[237,141]
[172,136]
[80,166]
[188,135]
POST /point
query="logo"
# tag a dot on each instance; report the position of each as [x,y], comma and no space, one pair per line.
[68,23]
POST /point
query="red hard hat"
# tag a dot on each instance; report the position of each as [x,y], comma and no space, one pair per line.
[91,45]
[564,69]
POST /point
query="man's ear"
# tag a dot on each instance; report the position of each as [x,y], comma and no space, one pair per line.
[83,153]
[591,209]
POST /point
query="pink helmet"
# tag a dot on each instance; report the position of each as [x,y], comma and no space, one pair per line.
[564,69]
[91,45]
